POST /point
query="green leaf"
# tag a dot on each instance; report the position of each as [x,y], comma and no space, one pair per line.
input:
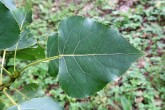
[23,15]
[9,29]
[44,103]
[52,50]
[92,55]
[31,53]
[26,40]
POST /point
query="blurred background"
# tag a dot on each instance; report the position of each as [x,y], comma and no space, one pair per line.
[142,23]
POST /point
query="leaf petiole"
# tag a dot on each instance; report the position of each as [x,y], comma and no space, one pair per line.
[39,61]
[15,54]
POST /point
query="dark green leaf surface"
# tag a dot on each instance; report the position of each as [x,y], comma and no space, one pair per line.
[52,50]
[33,53]
[9,28]
[26,40]
[44,103]
[92,55]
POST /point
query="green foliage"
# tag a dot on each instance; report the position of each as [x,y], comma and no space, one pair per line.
[83,42]
[143,85]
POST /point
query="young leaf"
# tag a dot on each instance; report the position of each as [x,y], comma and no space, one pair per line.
[9,29]
[92,55]
[23,15]
[32,53]
[52,50]
[44,103]
[26,40]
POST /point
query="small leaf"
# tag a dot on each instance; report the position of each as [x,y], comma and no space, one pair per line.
[9,29]
[26,40]
[23,15]
[31,53]
[91,55]
[44,103]
[52,50]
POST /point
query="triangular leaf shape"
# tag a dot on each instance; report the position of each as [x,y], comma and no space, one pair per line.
[43,103]
[9,29]
[91,55]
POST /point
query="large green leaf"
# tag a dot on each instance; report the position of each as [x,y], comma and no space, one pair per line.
[44,103]
[9,29]
[92,55]
[26,40]
[52,50]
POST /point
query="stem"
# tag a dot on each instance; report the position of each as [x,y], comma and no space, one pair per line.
[5,70]
[3,60]
[8,96]
[15,54]
[39,61]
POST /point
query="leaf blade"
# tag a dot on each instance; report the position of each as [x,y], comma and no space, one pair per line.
[92,55]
